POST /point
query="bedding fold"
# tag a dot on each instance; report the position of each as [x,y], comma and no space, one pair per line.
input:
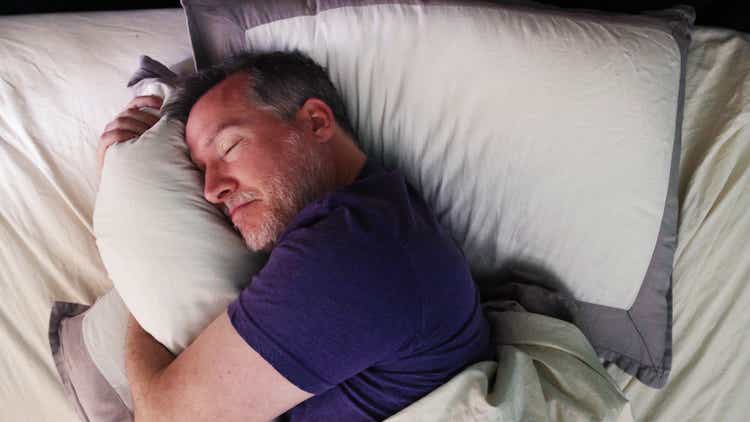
[545,370]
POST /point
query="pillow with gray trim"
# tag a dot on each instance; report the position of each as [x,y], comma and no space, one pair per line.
[546,140]
[88,348]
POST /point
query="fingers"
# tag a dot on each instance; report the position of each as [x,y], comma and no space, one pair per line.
[112,137]
[129,124]
[133,120]
[146,101]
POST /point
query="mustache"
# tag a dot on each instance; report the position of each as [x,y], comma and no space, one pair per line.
[238,199]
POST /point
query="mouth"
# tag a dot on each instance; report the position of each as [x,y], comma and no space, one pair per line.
[234,210]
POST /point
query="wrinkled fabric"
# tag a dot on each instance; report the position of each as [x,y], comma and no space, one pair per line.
[62,79]
[545,371]
[711,287]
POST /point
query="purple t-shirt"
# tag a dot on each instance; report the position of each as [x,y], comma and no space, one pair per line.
[365,302]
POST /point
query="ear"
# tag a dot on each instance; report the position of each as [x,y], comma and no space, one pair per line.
[315,116]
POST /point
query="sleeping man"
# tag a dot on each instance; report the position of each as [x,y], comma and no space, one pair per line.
[365,303]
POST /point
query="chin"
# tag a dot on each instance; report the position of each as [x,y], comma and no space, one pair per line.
[261,226]
[259,237]
[255,244]
[258,247]
[252,238]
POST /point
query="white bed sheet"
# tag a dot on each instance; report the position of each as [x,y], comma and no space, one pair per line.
[710,379]
[62,78]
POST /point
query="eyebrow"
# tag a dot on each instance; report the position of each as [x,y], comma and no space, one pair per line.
[224,127]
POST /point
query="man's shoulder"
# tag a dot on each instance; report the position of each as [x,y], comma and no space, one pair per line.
[380,208]
[348,241]
[343,259]
[355,236]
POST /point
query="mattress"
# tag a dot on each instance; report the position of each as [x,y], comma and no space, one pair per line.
[62,78]
[710,378]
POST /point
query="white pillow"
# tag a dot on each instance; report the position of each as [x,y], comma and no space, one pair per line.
[562,122]
[544,139]
[173,257]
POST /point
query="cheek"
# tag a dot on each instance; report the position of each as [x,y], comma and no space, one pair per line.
[255,165]
[245,165]
[251,213]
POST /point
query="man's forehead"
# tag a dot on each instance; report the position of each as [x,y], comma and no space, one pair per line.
[216,106]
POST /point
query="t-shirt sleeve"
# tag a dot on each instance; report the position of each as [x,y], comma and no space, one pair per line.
[328,304]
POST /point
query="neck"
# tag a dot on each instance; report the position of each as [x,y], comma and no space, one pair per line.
[348,159]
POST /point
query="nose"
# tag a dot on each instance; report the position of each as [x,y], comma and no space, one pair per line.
[217,186]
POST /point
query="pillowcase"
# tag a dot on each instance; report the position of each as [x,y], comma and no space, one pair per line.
[545,140]
[173,257]
[88,348]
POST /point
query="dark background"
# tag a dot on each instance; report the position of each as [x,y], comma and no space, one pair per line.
[722,13]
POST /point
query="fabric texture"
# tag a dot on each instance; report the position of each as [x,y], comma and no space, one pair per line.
[365,302]
[92,395]
[546,371]
[552,143]
[104,329]
[712,262]
[62,78]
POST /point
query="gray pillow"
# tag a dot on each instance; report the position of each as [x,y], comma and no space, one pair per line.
[546,140]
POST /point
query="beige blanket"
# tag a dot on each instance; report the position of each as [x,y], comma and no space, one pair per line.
[545,370]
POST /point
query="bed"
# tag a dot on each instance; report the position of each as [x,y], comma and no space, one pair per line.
[62,78]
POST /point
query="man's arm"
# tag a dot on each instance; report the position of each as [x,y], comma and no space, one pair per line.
[145,358]
[219,377]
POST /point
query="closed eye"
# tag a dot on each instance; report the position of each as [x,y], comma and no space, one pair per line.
[225,153]
[231,148]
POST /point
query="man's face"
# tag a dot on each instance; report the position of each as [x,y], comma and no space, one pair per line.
[260,169]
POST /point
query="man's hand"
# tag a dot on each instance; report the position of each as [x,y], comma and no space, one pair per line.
[129,124]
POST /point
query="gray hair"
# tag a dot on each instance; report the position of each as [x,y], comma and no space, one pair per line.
[281,81]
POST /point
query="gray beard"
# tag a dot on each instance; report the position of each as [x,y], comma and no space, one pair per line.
[307,179]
